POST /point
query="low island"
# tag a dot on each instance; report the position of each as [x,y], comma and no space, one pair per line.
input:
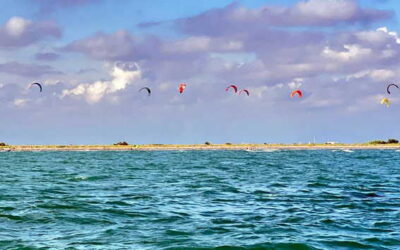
[391,144]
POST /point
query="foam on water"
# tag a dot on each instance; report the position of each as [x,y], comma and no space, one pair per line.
[343,150]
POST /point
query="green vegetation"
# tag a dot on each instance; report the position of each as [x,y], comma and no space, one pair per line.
[380,142]
[2,144]
[377,142]
[207,143]
[123,143]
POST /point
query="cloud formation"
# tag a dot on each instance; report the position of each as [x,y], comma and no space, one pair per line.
[335,51]
[234,18]
[254,47]
[122,75]
[49,6]
[47,56]
[28,70]
[117,46]
[19,32]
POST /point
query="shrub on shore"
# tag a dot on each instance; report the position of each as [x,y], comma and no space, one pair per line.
[2,144]
[123,143]
[207,143]
[377,142]
[390,141]
[228,143]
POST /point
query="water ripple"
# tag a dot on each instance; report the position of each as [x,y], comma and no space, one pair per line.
[316,199]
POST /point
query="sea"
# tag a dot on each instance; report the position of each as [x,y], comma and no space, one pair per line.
[271,199]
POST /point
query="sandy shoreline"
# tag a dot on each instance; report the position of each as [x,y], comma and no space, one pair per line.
[251,147]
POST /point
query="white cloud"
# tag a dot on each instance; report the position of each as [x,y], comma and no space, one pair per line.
[390,33]
[381,74]
[19,102]
[352,52]
[122,76]
[202,44]
[191,44]
[332,9]
[296,83]
[16,26]
[376,75]
[51,82]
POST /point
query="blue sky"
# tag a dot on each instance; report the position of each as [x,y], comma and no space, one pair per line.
[93,56]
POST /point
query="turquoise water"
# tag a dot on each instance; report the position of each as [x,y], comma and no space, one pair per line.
[315,199]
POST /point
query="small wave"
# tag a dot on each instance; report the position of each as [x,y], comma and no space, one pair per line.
[347,244]
[327,221]
[79,178]
[11,217]
[88,220]
[177,233]
[87,178]
[365,195]
[266,150]
[262,246]
[173,200]
[232,163]
[57,206]
[7,208]
[343,150]
[270,150]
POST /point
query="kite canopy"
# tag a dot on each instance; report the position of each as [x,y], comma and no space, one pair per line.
[147,89]
[182,87]
[38,84]
[386,101]
[233,87]
[296,92]
[245,91]
[389,86]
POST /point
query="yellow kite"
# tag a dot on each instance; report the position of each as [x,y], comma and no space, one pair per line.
[386,101]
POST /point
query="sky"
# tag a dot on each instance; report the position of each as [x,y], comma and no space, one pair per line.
[92,57]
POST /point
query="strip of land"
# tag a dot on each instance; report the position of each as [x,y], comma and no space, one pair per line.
[162,147]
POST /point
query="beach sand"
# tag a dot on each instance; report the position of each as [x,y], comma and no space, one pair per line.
[159,147]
